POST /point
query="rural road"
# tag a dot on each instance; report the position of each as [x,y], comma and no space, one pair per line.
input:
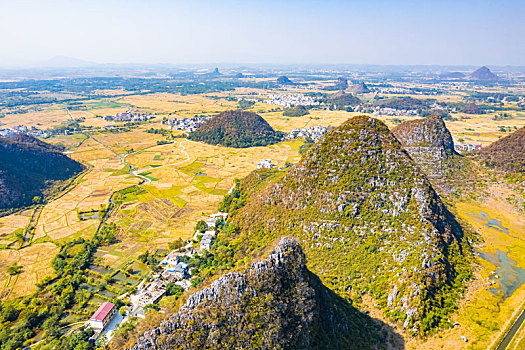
[182,161]
[131,172]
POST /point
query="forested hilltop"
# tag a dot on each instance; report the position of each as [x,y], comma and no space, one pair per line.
[30,167]
[236,129]
[507,154]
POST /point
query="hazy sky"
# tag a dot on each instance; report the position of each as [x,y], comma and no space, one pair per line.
[266,31]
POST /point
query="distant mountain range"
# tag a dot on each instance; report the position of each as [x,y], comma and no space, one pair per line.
[480,74]
[64,62]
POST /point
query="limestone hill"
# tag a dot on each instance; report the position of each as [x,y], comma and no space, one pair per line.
[236,129]
[284,80]
[429,143]
[342,100]
[276,304]
[369,221]
[359,88]
[483,74]
[507,154]
[29,168]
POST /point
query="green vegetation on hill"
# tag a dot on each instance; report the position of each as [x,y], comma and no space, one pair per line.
[407,103]
[29,169]
[342,100]
[369,222]
[236,129]
[296,111]
[507,154]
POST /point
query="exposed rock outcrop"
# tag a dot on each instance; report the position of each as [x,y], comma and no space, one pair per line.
[429,143]
[276,304]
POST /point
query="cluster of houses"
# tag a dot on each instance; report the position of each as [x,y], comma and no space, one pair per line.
[22,129]
[394,111]
[186,124]
[265,164]
[129,116]
[286,100]
[390,90]
[173,269]
[466,147]
[207,237]
[313,132]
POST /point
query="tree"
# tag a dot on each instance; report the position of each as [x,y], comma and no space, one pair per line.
[174,289]
[122,310]
[102,340]
[201,226]
[151,307]
[179,243]
[14,269]
[37,200]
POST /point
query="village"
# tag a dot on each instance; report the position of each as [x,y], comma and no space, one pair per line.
[285,100]
[185,124]
[22,129]
[171,270]
[129,116]
[312,132]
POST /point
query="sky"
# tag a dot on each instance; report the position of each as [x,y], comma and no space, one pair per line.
[443,32]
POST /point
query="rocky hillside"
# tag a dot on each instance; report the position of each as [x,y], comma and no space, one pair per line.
[29,168]
[359,88]
[430,144]
[370,223]
[236,129]
[276,304]
[508,153]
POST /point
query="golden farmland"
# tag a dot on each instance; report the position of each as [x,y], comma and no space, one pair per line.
[186,180]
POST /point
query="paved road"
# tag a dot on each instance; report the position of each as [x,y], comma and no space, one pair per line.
[512,332]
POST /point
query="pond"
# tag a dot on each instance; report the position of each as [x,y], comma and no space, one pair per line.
[100,269]
[510,276]
[107,294]
[90,215]
[125,280]
[492,223]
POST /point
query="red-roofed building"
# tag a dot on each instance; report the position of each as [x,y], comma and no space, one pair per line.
[102,316]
